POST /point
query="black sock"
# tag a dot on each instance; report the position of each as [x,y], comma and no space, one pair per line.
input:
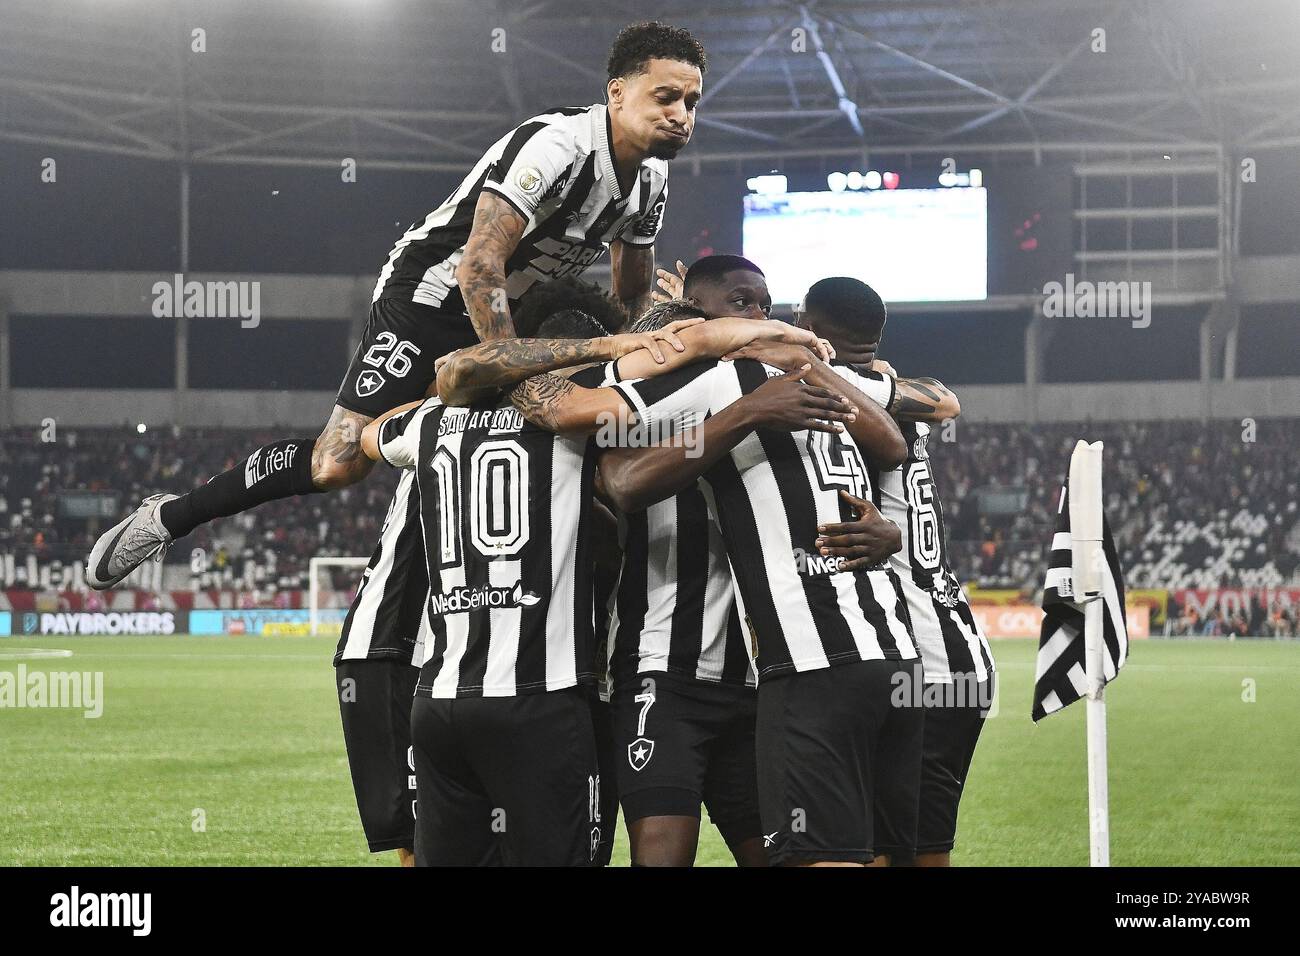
[281,469]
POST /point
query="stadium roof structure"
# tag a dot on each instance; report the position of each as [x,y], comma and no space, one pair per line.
[425,85]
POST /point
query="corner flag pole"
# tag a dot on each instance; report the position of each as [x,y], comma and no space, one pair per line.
[1088,560]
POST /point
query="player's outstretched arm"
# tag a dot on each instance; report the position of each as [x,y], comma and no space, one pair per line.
[482,371]
[719,337]
[551,401]
[636,478]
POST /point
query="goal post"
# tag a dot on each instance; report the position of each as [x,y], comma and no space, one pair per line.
[313,581]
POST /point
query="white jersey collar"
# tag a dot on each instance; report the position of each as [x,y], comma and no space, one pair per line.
[600,136]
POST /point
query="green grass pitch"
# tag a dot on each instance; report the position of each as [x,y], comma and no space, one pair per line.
[246,730]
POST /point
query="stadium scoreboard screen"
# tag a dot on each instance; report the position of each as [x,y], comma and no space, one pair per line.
[910,245]
[89,504]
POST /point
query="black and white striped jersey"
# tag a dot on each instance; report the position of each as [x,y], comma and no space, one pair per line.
[385,618]
[768,496]
[673,609]
[947,634]
[557,170]
[506,513]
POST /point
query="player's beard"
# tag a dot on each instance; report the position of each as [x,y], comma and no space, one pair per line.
[666,148]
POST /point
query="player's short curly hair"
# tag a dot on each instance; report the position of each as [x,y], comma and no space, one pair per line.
[652,40]
[546,298]
[661,313]
[571,324]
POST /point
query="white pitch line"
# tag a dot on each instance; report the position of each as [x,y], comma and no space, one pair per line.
[32,653]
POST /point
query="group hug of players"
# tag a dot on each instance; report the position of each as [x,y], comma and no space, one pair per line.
[696,562]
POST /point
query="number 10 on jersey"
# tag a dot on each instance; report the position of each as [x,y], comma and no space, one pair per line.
[497,493]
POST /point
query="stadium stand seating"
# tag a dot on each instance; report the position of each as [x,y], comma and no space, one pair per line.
[1191,505]
[270,546]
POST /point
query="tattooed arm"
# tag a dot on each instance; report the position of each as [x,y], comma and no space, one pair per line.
[552,402]
[923,400]
[481,371]
[481,273]
[632,271]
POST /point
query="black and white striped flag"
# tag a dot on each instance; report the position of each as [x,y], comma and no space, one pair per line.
[1060,677]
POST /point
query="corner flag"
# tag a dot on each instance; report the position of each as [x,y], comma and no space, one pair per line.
[1061,676]
[1081,649]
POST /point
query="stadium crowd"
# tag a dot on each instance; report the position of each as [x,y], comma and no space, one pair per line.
[269,547]
[1191,505]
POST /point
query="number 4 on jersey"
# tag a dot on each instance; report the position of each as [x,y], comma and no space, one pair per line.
[838,464]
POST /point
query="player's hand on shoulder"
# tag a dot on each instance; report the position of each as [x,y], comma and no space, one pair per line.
[866,542]
[788,403]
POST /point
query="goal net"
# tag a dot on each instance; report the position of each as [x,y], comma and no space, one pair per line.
[314,568]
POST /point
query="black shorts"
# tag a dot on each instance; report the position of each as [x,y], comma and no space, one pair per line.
[681,742]
[952,728]
[514,775]
[393,364]
[602,722]
[839,762]
[375,703]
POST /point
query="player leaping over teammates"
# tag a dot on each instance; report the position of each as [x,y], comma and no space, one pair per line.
[545,201]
